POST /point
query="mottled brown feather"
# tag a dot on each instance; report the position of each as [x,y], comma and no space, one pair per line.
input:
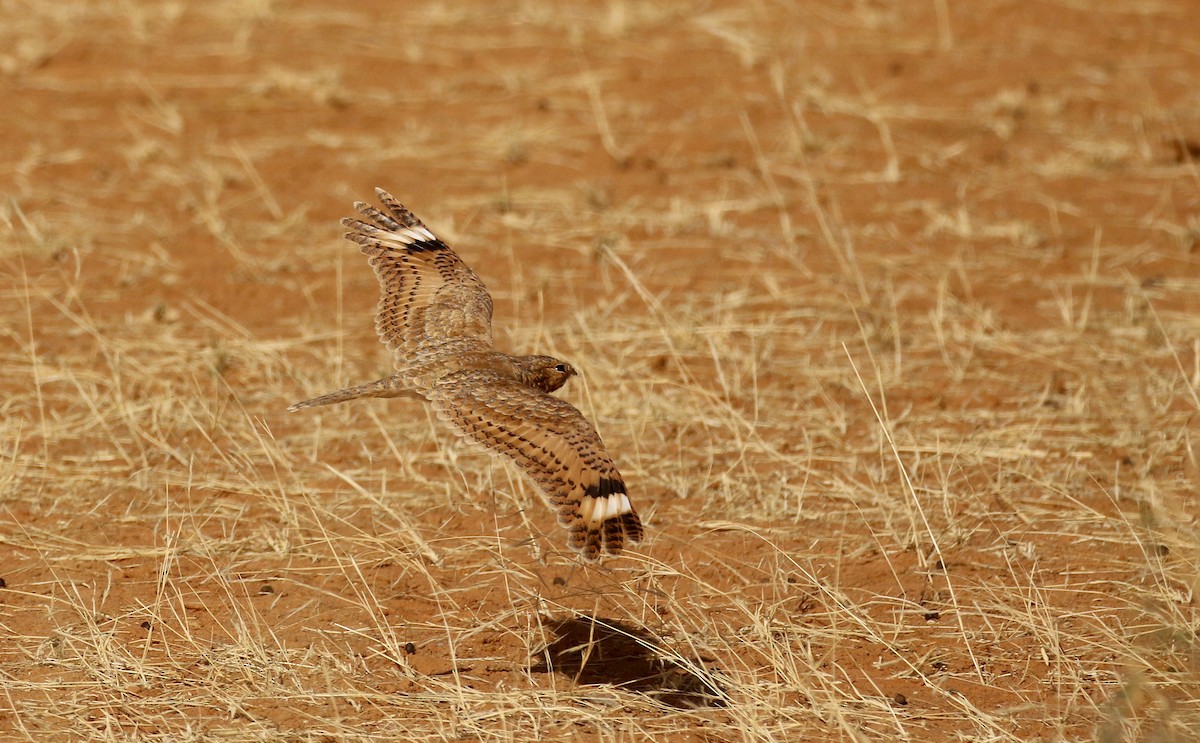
[431,303]
[551,442]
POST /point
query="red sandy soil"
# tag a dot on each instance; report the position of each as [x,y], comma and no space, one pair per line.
[888,311]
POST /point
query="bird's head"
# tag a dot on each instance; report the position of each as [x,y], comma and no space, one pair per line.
[545,372]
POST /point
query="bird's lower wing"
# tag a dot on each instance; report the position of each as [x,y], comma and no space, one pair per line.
[555,445]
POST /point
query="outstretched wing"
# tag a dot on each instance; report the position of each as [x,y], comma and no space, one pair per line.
[431,303]
[554,444]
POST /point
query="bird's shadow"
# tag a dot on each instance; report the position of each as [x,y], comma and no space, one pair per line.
[604,651]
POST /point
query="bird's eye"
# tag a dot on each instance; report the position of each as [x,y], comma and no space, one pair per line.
[562,368]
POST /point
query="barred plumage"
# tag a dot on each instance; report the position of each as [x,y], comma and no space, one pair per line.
[436,315]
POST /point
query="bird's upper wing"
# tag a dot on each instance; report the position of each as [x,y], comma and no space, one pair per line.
[431,303]
[554,444]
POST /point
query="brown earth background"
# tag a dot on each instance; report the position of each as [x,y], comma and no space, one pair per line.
[889,313]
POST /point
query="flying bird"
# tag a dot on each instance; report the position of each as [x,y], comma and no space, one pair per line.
[436,316]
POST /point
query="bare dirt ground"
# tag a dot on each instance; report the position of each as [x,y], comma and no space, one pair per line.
[889,312]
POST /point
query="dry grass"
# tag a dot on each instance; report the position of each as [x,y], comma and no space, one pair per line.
[888,314]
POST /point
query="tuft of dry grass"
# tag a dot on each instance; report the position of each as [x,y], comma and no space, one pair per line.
[888,316]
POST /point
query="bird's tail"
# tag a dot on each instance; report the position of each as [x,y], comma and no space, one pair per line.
[386,387]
